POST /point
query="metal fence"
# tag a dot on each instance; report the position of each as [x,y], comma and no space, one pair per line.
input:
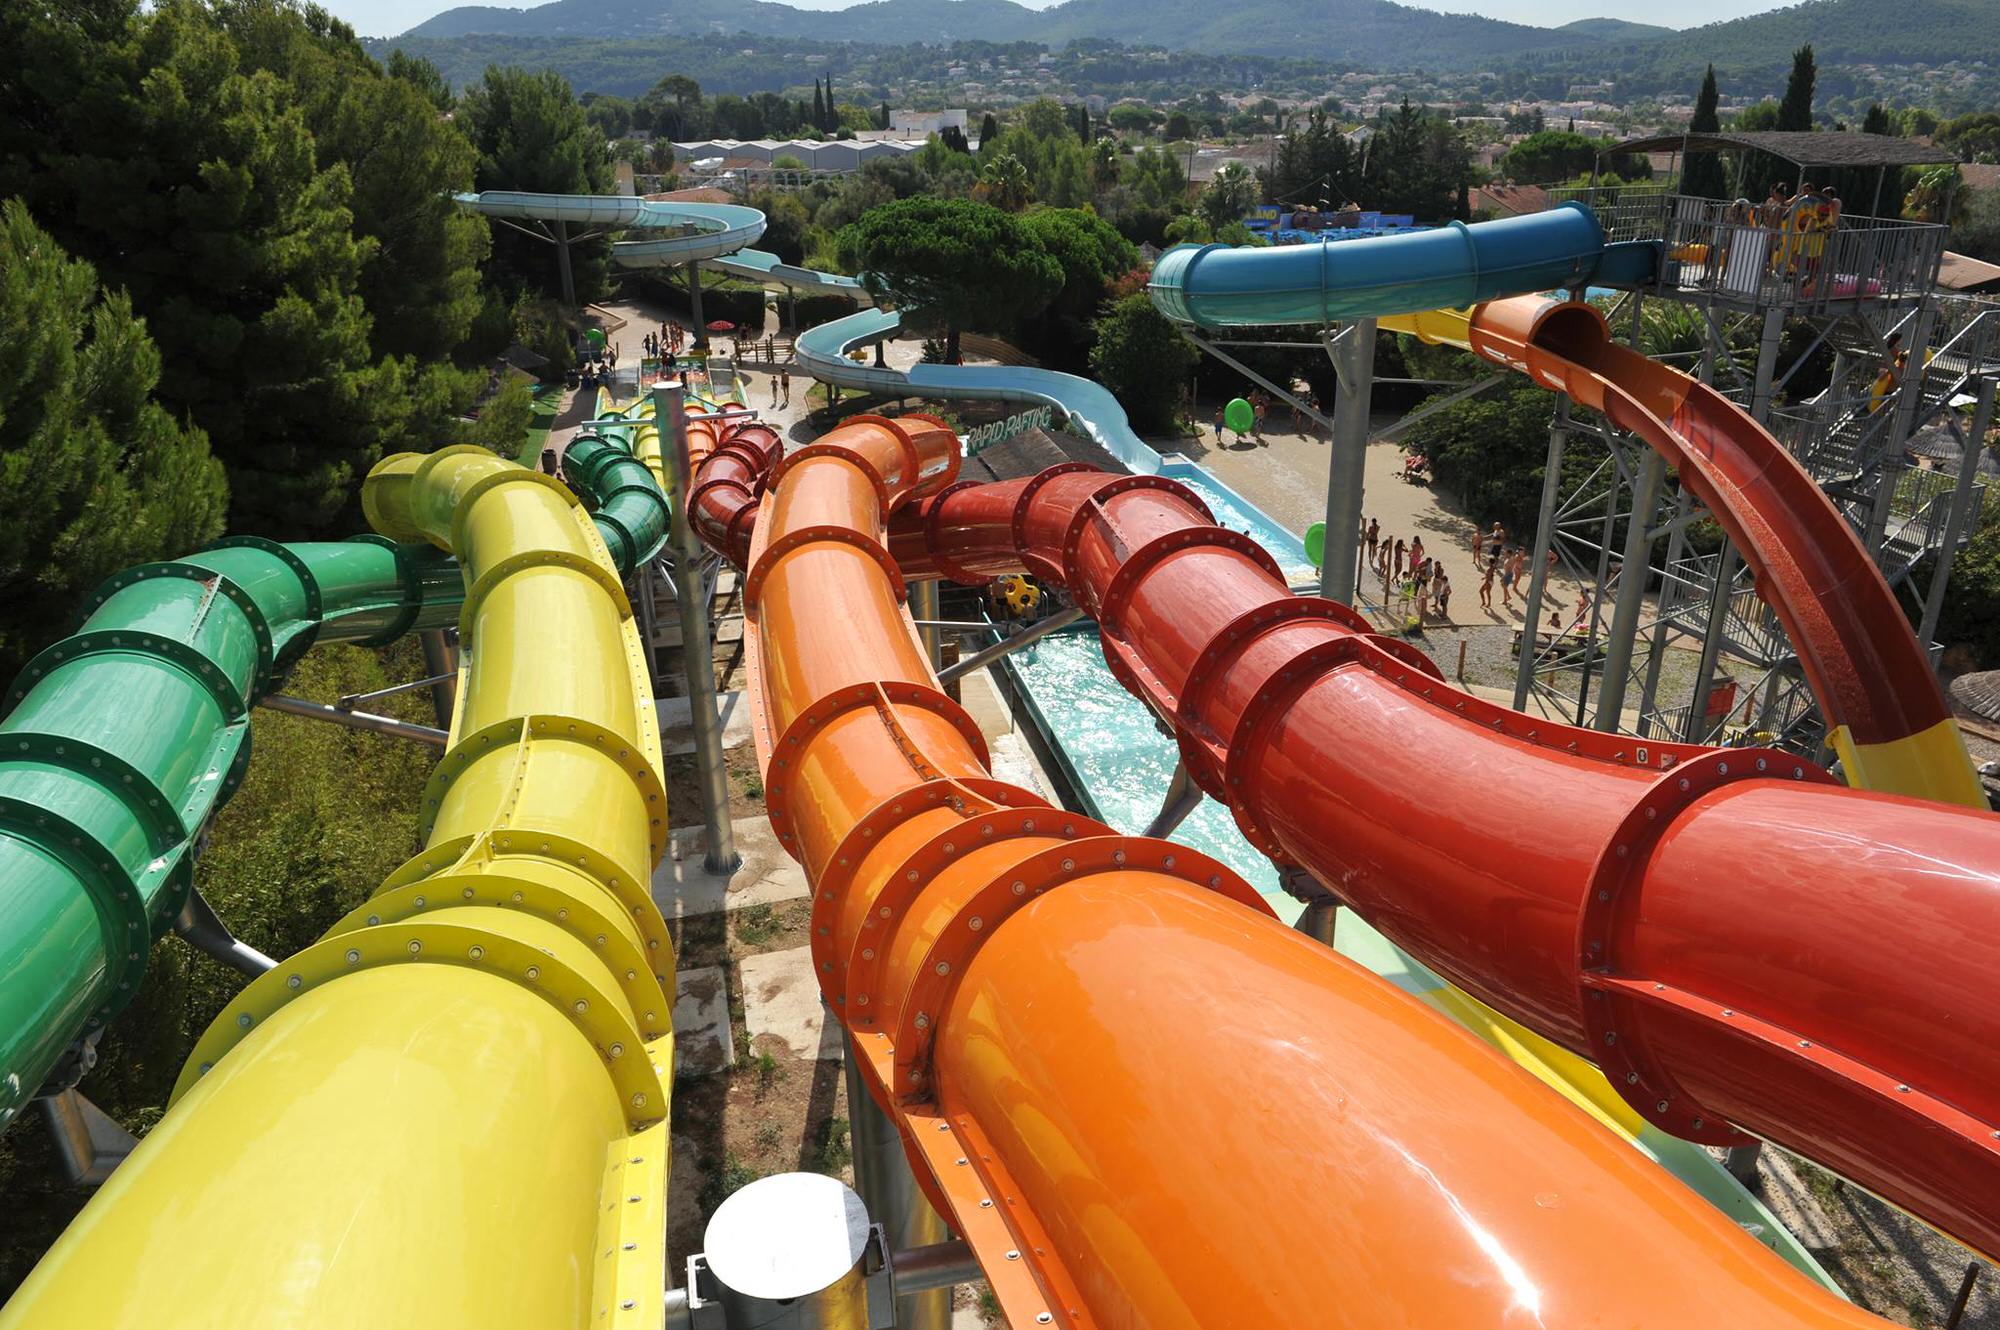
[1711,249]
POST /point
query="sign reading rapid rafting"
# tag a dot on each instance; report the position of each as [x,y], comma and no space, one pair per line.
[988,435]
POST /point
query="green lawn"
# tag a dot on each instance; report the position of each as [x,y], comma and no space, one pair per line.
[548,399]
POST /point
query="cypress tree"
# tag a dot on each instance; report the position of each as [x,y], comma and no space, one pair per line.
[989,129]
[1701,172]
[819,108]
[1795,112]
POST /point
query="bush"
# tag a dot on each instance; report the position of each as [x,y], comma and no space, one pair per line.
[811,311]
[1143,360]
[1490,451]
[741,303]
[1971,615]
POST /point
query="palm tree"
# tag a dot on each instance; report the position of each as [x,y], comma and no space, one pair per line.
[1935,190]
[1004,183]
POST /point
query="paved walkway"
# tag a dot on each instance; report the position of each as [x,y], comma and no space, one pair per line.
[1285,472]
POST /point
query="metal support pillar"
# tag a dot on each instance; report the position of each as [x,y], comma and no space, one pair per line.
[89,1143]
[889,1189]
[563,267]
[1909,398]
[1961,512]
[642,600]
[924,606]
[1353,353]
[441,663]
[697,654]
[700,329]
[1635,570]
[1183,797]
[1033,633]
[1538,561]
[1695,730]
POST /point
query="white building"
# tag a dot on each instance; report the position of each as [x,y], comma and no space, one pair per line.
[925,123]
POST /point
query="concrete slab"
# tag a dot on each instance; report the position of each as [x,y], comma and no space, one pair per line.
[677,722]
[702,1040]
[667,631]
[781,999]
[683,886]
[982,700]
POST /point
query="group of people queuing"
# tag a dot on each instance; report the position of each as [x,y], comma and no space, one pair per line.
[1404,565]
[597,364]
[1801,223]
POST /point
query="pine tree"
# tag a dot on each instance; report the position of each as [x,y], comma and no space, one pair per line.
[97,476]
[1701,172]
[1795,112]
[1877,120]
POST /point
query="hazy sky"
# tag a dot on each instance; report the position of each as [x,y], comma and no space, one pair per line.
[386,18]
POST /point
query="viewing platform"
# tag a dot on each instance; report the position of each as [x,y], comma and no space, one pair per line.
[1715,258]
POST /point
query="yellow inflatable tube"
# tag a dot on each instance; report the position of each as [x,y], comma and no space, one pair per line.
[450,1112]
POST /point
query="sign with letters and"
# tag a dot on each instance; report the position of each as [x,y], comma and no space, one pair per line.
[988,435]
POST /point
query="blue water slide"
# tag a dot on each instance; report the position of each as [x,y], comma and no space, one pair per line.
[1216,286]
[1093,412]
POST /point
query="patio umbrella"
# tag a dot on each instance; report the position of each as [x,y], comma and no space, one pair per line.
[721,325]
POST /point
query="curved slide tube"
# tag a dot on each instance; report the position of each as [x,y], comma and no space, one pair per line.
[1092,409]
[1736,939]
[451,1110]
[714,235]
[1888,717]
[1887,714]
[1030,991]
[123,740]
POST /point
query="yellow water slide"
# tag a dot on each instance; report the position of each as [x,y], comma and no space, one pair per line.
[451,1111]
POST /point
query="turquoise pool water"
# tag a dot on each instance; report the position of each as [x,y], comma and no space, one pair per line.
[1119,758]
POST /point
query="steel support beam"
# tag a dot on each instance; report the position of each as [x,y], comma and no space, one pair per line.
[353,720]
[1183,797]
[1033,633]
[1961,511]
[1538,561]
[883,1180]
[441,659]
[924,608]
[1353,353]
[697,652]
[1635,570]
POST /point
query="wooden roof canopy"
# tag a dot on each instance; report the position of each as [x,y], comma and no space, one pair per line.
[1799,147]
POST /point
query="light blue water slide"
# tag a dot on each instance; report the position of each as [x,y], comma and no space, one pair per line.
[1217,286]
[1093,412]
[715,235]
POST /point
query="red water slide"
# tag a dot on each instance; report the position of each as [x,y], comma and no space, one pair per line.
[1741,942]
[1887,715]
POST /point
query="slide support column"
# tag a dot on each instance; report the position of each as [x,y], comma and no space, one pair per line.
[697,655]
[1635,570]
[441,663]
[700,330]
[1538,560]
[1961,511]
[1352,351]
[883,1179]
[562,265]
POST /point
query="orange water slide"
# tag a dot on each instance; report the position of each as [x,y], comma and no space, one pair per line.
[1887,715]
[1142,1099]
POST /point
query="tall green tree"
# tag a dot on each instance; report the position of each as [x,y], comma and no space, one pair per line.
[989,129]
[1877,120]
[425,77]
[1701,172]
[1231,193]
[953,264]
[1092,255]
[1795,112]
[95,475]
[194,183]
[531,134]
[1143,360]
[420,279]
